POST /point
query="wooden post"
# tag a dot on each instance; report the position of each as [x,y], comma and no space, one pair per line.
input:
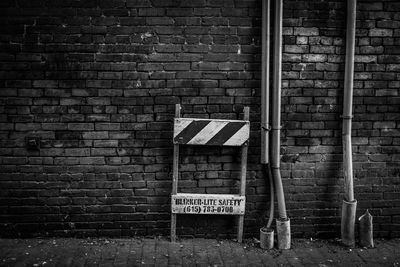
[243,170]
[175,176]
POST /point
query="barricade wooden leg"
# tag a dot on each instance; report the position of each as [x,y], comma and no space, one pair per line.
[173,227]
[240,228]
[175,176]
[243,170]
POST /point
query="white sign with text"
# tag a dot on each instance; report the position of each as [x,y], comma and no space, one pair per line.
[208,204]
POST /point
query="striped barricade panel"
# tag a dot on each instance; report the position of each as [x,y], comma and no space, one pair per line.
[189,131]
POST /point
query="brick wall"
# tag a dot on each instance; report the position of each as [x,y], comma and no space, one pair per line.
[97,81]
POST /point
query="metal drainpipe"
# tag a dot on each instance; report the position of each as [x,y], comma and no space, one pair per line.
[282,223]
[349,203]
[265,99]
[265,38]
[266,233]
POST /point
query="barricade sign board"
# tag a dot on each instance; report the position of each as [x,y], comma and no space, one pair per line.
[208,204]
[210,132]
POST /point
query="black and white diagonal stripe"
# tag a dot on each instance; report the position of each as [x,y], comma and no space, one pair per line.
[211,132]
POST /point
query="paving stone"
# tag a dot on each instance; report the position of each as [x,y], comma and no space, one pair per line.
[189,252]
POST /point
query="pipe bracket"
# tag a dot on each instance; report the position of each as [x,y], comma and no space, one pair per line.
[346,117]
[266,128]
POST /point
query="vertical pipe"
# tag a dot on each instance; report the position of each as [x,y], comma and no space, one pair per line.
[268,172]
[276,110]
[265,40]
[266,233]
[349,204]
[283,222]
[265,99]
[348,100]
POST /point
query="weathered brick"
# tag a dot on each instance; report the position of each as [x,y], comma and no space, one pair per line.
[322,49]
[80,126]
[27,126]
[107,126]
[103,152]
[95,135]
[92,161]
[306,31]
[105,143]
[365,59]
[314,58]
[77,152]
[296,49]
[45,84]
[380,32]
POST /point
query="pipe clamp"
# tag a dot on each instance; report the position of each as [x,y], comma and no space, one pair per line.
[266,128]
[276,128]
[346,117]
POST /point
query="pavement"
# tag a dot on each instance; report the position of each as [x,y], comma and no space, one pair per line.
[190,252]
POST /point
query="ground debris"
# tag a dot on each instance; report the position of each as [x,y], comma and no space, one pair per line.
[207,252]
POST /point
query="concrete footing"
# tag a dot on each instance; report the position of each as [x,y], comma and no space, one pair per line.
[347,225]
[283,231]
[366,230]
[266,238]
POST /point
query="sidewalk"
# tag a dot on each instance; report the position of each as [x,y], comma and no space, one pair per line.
[189,252]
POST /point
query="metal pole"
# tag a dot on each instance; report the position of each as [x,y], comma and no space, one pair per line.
[266,233]
[265,39]
[349,204]
[283,222]
[348,99]
[265,99]
[276,110]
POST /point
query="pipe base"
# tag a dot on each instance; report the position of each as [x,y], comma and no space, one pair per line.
[266,238]
[283,230]
[366,230]
[347,225]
